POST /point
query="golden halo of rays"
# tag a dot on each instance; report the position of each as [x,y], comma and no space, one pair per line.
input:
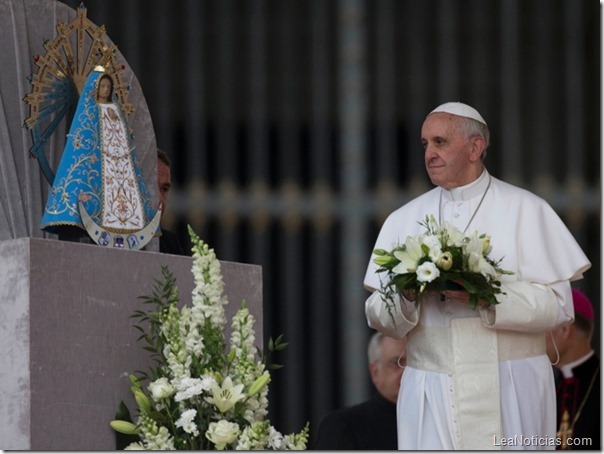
[61,73]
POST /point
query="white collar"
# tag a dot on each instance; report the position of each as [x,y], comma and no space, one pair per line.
[469,191]
[567,369]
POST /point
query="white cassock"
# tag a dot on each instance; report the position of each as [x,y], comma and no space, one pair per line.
[481,379]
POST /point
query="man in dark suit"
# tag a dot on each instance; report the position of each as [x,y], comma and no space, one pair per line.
[370,425]
[577,373]
[168,241]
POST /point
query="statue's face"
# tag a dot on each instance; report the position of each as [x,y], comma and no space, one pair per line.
[104,90]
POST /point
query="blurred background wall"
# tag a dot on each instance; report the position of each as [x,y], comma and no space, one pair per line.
[294,130]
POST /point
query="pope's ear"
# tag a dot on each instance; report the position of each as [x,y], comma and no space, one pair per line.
[478,147]
[566,330]
[373,371]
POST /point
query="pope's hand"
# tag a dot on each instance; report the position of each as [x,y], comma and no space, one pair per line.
[461,296]
[409,294]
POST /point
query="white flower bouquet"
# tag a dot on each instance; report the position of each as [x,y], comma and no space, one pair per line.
[442,258]
[200,395]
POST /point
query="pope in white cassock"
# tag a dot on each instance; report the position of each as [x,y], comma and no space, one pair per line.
[478,379]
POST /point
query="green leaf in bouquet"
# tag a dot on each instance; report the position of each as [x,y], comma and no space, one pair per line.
[473,300]
[445,283]
[404,281]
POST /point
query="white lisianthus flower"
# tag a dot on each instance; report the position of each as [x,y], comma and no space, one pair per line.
[161,389]
[433,243]
[427,272]
[408,257]
[187,422]
[222,433]
[226,396]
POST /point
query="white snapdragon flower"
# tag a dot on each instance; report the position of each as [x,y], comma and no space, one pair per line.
[194,343]
[159,440]
[222,433]
[295,441]
[253,437]
[243,339]
[209,286]
[176,366]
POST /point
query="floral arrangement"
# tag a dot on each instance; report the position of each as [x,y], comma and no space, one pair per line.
[442,258]
[201,396]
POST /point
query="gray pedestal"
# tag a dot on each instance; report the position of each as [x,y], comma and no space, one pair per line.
[67,339]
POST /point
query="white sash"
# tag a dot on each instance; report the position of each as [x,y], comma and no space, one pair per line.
[470,354]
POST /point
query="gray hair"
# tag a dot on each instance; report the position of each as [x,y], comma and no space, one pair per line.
[373,349]
[473,128]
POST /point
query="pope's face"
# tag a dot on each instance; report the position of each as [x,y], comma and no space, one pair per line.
[452,160]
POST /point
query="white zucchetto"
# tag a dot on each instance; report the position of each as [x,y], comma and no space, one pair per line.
[460,109]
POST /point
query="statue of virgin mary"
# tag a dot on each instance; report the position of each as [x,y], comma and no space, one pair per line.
[98,185]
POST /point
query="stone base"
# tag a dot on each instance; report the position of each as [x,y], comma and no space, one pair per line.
[68,342]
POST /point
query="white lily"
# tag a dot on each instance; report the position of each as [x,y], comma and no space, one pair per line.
[454,236]
[409,257]
[225,397]
[433,243]
[476,260]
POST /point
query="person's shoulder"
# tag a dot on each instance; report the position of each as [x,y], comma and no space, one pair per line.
[363,409]
[518,198]
[417,203]
[590,366]
[348,414]
[170,244]
[337,430]
[369,425]
[513,191]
